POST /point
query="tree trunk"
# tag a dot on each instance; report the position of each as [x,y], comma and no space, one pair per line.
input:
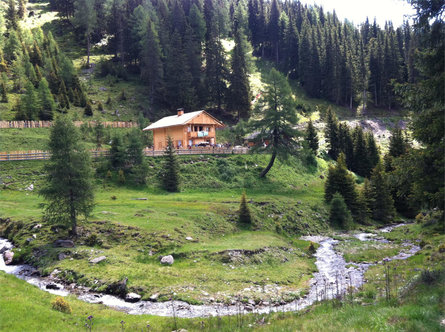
[266,170]
[88,51]
[73,215]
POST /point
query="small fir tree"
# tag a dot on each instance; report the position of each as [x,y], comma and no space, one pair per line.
[311,136]
[381,201]
[339,214]
[88,109]
[244,211]
[117,153]
[99,133]
[4,92]
[397,143]
[170,176]
[47,103]
[341,181]
[331,134]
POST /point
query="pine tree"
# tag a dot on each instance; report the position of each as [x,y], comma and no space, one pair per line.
[331,134]
[361,162]
[88,111]
[381,202]
[244,211]
[85,19]
[339,214]
[47,103]
[68,189]
[22,9]
[11,16]
[278,120]
[170,175]
[239,89]
[341,181]
[117,153]
[397,143]
[30,102]
[311,137]
[4,92]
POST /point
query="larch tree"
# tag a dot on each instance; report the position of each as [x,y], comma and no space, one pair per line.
[85,19]
[279,117]
[68,188]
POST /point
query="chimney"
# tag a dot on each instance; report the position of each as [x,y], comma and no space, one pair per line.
[180,111]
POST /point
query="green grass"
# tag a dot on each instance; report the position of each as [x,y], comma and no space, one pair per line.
[287,203]
[367,251]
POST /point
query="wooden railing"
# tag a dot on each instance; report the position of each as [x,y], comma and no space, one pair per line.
[43,155]
[47,124]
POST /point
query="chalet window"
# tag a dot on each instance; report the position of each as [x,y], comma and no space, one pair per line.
[189,129]
[200,128]
[195,128]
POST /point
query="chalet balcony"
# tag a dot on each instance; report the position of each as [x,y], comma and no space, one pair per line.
[194,134]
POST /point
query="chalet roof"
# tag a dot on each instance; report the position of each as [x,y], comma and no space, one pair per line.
[177,120]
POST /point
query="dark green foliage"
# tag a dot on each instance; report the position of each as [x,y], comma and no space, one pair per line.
[311,137]
[29,104]
[100,107]
[380,199]
[360,164]
[3,92]
[99,133]
[339,180]
[68,189]
[170,173]
[397,143]
[122,96]
[21,12]
[63,96]
[331,134]
[117,153]
[339,214]
[11,16]
[47,103]
[244,211]
[88,109]
[279,117]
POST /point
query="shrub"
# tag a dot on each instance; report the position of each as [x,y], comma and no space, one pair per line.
[60,304]
[121,177]
[311,249]
[93,240]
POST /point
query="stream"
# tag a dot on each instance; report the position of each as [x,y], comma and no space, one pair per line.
[334,278]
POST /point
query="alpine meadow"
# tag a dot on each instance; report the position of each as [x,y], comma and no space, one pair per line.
[221,165]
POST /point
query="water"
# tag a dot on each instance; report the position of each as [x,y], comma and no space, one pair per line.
[333,279]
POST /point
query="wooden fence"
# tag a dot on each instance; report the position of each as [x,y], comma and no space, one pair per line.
[47,124]
[43,155]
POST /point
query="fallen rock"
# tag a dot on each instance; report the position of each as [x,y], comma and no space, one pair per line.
[8,256]
[132,297]
[62,256]
[118,288]
[52,286]
[98,259]
[167,260]
[154,297]
[5,247]
[189,238]
[30,187]
[38,226]
[64,243]
[29,240]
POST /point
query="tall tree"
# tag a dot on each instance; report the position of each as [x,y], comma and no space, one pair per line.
[47,103]
[311,136]
[381,202]
[85,20]
[279,118]
[68,189]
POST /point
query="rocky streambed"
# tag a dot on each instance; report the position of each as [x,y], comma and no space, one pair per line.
[335,277]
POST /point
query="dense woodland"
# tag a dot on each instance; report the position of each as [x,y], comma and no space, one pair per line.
[176,47]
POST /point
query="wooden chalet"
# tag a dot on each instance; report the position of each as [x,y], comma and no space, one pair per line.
[185,129]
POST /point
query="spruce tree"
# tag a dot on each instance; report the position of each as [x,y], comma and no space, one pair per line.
[361,162]
[170,174]
[244,211]
[68,188]
[331,134]
[47,103]
[99,133]
[21,12]
[341,181]
[397,143]
[63,96]
[239,89]
[381,202]
[373,154]
[339,214]
[117,153]
[4,92]
[311,136]
[11,16]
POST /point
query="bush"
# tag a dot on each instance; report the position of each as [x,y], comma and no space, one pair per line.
[93,240]
[60,304]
